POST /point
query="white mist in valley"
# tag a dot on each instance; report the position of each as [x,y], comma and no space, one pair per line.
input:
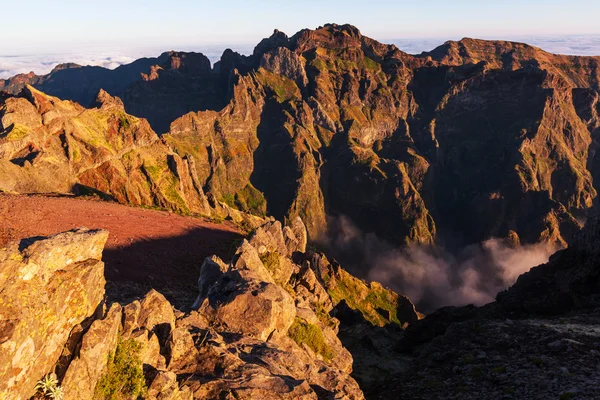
[433,277]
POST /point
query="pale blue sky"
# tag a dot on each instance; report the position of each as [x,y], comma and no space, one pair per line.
[61,24]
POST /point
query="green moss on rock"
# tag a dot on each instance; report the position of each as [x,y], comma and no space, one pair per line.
[311,335]
[124,378]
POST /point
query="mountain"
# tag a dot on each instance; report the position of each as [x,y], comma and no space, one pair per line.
[57,146]
[475,139]
[186,85]
[82,83]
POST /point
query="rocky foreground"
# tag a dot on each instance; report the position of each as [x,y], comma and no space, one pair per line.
[281,322]
[261,327]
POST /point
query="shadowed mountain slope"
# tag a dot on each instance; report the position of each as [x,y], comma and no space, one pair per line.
[475,139]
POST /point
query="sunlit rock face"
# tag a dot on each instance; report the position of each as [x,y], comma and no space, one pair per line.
[473,140]
[263,325]
[49,286]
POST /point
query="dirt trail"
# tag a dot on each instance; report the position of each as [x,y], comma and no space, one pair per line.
[146,248]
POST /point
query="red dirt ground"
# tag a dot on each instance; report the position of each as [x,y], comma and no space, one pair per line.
[146,248]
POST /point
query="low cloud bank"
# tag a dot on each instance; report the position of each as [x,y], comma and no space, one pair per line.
[43,63]
[433,277]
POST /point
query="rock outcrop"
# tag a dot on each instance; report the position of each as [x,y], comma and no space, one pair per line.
[48,145]
[262,327]
[49,286]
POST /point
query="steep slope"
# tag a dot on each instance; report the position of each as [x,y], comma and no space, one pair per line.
[49,145]
[184,82]
[538,340]
[473,140]
[421,149]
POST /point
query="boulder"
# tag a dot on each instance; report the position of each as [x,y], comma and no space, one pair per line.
[96,347]
[212,268]
[150,348]
[246,303]
[156,314]
[49,285]
[182,353]
[164,386]
[246,258]
[269,237]
[131,313]
[299,230]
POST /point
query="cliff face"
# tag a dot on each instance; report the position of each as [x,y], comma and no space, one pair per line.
[414,148]
[50,145]
[475,139]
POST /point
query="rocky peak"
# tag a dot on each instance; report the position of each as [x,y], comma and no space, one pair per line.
[330,36]
[64,66]
[277,39]
[188,63]
[106,101]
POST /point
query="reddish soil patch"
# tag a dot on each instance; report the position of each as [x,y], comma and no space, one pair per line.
[146,248]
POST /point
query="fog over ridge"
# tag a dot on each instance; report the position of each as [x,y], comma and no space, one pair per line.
[43,62]
[433,277]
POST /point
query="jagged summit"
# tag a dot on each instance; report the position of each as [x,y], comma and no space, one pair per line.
[454,146]
[64,66]
[105,100]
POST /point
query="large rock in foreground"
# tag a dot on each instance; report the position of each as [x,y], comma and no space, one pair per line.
[262,326]
[48,286]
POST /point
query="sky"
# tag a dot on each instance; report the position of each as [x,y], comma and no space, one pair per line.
[39,33]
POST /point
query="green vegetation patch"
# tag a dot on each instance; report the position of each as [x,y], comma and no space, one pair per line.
[270,260]
[228,199]
[312,336]
[370,301]
[124,378]
[371,64]
[124,121]
[284,88]
[251,200]
[18,132]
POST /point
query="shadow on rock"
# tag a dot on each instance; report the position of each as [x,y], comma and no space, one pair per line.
[171,265]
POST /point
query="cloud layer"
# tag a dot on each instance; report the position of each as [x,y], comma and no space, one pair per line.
[12,64]
[434,277]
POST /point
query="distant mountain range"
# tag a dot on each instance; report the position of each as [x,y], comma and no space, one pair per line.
[475,139]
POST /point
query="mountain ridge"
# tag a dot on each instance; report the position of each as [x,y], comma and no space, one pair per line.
[349,126]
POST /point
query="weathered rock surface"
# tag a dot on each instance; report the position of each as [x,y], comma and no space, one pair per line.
[413,148]
[52,146]
[262,326]
[86,368]
[48,286]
